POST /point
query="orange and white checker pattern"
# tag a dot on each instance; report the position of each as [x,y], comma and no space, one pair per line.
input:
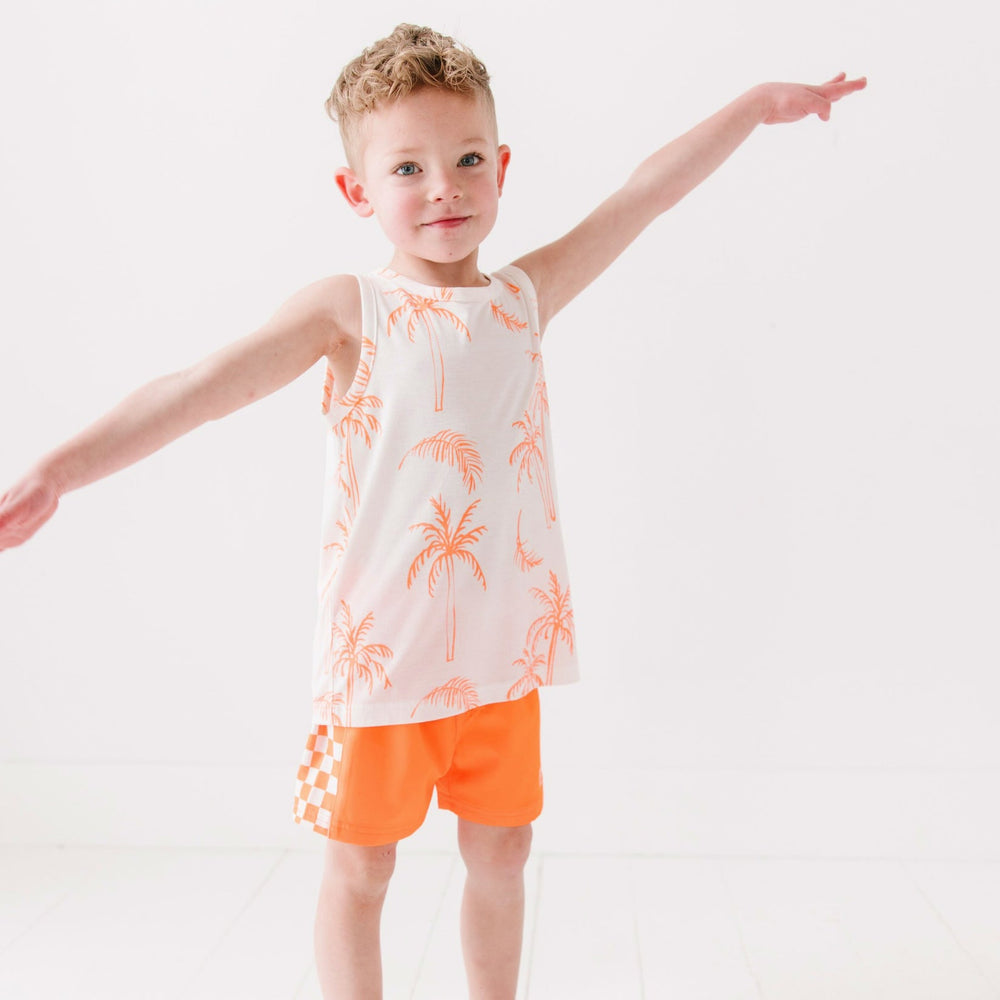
[317,780]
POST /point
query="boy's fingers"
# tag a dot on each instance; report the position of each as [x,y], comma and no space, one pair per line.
[835,91]
[819,104]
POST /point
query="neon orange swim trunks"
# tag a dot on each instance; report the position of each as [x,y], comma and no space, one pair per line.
[372,785]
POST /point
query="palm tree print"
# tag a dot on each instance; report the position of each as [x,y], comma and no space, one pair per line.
[339,547]
[327,389]
[459,693]
[524,557]
[419,309]
[332,706]
[530,679]
[505,319]
[447,546]
[540,394]
[529,453]
[354,658]
[555,624]
[357,421]
[456,450]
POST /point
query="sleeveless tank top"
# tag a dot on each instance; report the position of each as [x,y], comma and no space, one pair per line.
[442,573]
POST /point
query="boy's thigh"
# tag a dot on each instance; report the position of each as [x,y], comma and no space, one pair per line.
[495,776]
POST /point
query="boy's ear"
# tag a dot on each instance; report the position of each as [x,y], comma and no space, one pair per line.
[354,191]
[503,158]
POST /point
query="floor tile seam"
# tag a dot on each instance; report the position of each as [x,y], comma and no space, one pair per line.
[192,979]
[940,917]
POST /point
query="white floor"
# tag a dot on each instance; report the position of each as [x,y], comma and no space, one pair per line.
[160,924]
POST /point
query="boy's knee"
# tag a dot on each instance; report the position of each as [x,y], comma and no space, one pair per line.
[364,871]
[496,851]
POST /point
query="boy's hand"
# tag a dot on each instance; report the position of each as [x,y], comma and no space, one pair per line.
[791,102]
[24,508]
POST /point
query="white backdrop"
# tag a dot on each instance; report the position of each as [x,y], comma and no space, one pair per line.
[776,420]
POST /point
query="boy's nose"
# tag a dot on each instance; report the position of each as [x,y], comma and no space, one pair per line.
[444,187]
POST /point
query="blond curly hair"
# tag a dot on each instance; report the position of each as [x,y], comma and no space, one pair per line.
[410,58]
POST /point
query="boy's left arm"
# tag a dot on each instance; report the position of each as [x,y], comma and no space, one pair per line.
[561,270]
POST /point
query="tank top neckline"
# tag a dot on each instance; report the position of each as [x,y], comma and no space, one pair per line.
[454,292]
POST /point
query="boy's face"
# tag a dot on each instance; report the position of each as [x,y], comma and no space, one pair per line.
[430,170]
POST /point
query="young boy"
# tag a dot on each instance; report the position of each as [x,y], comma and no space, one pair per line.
[443,597]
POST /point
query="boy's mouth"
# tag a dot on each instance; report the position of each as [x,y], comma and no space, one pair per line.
[449,222]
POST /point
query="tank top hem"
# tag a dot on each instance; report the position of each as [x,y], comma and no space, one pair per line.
[402,713]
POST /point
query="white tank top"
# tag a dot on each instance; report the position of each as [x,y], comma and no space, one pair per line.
[442,577]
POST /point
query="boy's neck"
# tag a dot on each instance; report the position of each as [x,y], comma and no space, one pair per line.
[449,274]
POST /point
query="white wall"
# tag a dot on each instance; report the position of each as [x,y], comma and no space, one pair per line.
[776,420]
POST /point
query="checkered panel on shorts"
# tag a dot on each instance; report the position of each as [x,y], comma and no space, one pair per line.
[316,785]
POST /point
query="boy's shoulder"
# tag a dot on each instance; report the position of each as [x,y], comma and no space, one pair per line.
[337,298]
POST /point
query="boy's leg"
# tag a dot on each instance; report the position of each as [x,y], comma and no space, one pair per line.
[352,891]
[493,906]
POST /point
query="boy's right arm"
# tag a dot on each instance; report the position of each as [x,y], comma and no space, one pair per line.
[318,320]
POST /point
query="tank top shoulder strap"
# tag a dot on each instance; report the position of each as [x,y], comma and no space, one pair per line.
[520,285]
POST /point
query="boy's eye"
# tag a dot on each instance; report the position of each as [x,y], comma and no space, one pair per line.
[470,160]
[406,169]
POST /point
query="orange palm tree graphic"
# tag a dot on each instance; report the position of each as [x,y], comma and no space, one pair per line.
[447,546]
[506,319]
[339,547]
[456,450]
[352,657]
[458,692]
[358,421]
[327,389]
[419,309]
[529,660]
[332,705]
[525,558]
[530,455]
[540,393]
[556,624]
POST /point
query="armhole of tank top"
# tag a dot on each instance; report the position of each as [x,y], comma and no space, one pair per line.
[521,279]
[369,331]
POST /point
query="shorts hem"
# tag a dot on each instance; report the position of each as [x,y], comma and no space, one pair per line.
[516,817]
[348,833]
